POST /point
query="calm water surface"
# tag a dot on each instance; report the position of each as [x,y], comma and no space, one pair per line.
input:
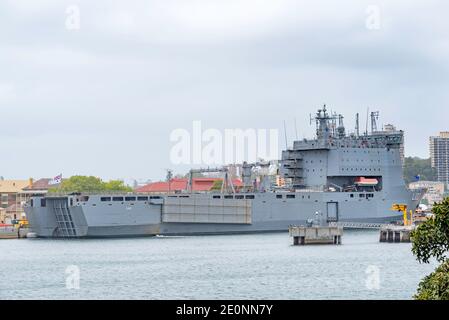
[264,266]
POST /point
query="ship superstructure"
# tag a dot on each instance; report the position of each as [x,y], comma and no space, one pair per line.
[346,178]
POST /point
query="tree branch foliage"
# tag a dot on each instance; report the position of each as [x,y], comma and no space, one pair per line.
[414,166]
[436,285]
[431,240]
[90,184]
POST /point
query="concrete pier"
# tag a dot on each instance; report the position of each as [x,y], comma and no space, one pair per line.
[315,235]
[395,233]
[11,232]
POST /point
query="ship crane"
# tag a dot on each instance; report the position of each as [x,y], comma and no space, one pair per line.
[261,169]
[374,118]
[399,207]
[227,181]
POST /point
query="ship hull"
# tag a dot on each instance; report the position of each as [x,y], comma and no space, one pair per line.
[267,213]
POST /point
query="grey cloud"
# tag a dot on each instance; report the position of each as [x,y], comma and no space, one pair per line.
[103,100]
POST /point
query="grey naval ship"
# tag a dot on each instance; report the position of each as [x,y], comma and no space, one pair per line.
[349,179]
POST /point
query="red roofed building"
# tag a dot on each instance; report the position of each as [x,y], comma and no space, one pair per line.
[180,185]
[40,186]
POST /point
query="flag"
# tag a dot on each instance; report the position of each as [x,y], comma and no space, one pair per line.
[56,180]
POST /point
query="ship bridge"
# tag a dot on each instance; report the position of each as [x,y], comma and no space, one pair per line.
[338,161]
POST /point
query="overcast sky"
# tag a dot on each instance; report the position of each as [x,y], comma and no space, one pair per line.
[102,99]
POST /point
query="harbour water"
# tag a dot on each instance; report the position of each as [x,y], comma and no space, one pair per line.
[262,266]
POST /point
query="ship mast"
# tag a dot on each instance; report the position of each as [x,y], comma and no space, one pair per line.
[326,125]
[322,124]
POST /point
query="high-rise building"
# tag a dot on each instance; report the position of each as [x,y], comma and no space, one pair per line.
[439,156]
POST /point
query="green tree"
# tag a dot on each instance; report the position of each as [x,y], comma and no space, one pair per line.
[436,285]
[431,240]
[116,185]
[89,184]
[414,166]
[218,184]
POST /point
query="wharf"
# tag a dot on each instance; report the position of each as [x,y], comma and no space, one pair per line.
[11,232]
[315,234]
[393,233]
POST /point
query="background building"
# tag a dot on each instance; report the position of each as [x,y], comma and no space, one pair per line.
[439,156]
[435,190]
[11,199]
[181,185]
[39,187]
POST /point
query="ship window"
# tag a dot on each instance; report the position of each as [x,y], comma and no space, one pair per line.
[352,195]
[251,196]
[105,198]
[117,198]
[361,195]
[228,197]
[142,198]
[43,202]
[31,202]
[155,197]
[84,198]
[216,197]
[130,198]
[290,196]
[279,196]
[239,197]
